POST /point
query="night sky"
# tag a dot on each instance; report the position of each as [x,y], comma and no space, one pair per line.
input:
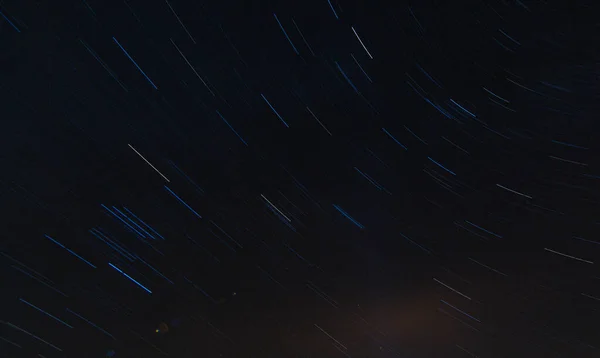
[316,178]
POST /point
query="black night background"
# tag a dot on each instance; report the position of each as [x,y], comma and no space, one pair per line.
[318,178]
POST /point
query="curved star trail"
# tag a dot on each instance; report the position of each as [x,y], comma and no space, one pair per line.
[318,178]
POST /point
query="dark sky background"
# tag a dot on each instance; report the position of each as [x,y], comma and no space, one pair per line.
[299,179]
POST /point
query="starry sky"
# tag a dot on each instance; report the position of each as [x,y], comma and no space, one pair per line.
[319,178]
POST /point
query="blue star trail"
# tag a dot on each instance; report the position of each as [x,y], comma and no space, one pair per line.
[129,277]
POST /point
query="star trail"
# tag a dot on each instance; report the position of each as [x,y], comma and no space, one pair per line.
[320,178]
